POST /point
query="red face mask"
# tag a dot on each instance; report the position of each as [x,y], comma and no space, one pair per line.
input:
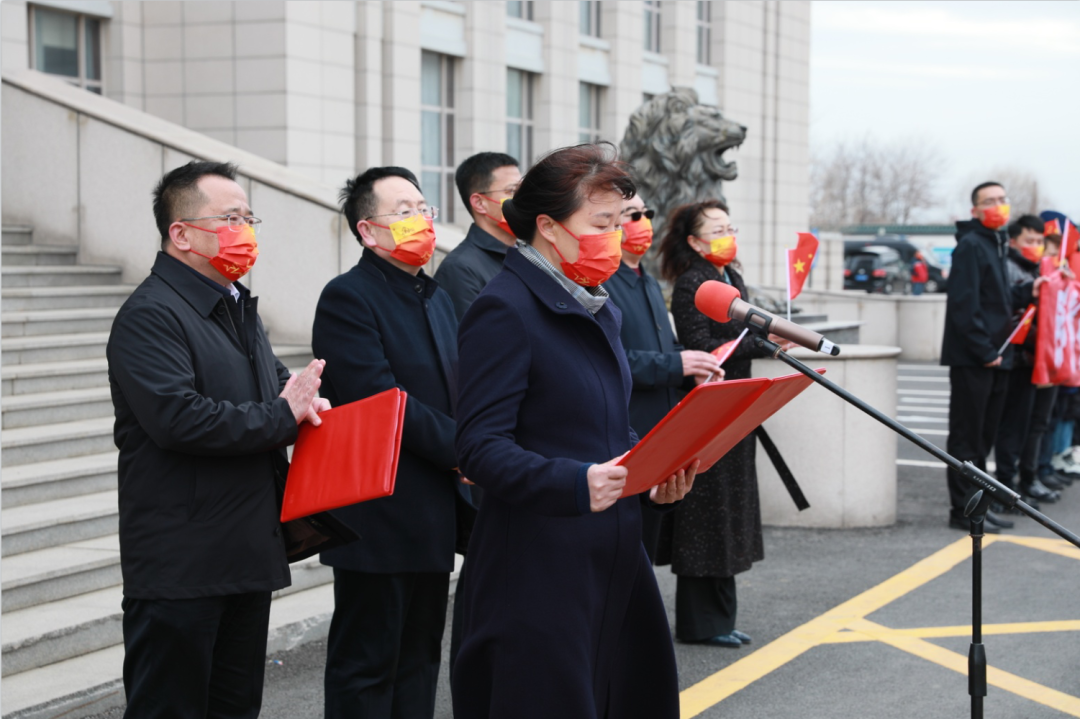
[598,257]
[722,250]
[501,222]
[1032,253]
[414,238]
[237,250]
[995,217]
[637,236]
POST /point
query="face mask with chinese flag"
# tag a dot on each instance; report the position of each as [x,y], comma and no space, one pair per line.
[637,236]
[598,257]
[1032,253]
[501,222]
[237,250]
[414,239]
[722,250]
[995,217]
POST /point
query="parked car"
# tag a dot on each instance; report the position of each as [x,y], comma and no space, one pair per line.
[877,269]
[939,276]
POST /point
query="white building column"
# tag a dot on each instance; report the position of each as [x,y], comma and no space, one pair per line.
[369,84]
[557,88]
[401,84]
[481,110]
[678,42]
[622,23]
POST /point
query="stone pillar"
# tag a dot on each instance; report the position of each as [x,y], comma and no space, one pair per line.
[678,42]
[369,84]
[622,23]
[557,88]
[122,56]
[14,36]
[401,84]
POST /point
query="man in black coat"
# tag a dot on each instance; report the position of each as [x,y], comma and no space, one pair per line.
[484,181]
[386,324]
[204,412]
[978,319]
[659,366]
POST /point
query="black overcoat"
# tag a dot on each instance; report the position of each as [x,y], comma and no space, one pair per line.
[379,327]
[470,266]
[563,617]
[201,431]
[717,528]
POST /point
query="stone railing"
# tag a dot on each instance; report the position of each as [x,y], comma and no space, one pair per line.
[80,168]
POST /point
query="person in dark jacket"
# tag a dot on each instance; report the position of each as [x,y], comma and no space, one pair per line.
[484,181]
[978,319]
[563,617]
[204,411]
[386,324]
[1027,408]
[716,532]
[660,367]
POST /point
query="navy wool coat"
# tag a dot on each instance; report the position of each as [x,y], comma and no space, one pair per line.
[563,617]
[379,327]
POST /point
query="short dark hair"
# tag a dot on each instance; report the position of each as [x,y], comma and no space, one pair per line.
[557,184]
[178,195]
[980,188]
[357,197]
[676,254]
[475,174]
[1025,222]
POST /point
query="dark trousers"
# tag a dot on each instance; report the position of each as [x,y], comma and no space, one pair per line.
[385,644]
[1013,427]
[1041,409]
[704,607]
[976,400]
[200,658]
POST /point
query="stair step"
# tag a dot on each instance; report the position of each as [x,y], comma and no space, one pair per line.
[49,633]
[58,298]
[57,479]
[38,255]
[32,410]
[53,376]
[54,348]
[60,276]
[47,575]
[56,441]
[57,522]
[16,235]
[54,322]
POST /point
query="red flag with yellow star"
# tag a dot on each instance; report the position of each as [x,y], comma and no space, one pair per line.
[799,262]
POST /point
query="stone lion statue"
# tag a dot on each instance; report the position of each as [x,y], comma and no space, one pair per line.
[675,146]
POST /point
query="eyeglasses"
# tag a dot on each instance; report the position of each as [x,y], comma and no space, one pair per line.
[235,221]
[635,216]
[992,202]
[430,213]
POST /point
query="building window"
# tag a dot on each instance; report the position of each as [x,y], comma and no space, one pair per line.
[519,116]
[520,8]
[590,18]
[652,25]
[589,113]
[67,45]
[704,32]
[437,132]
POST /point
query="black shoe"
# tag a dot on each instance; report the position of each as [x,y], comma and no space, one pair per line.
[1052,482]
[1038,491]
[962,523]
[1029,501]
[996,521]
[722,640]
[1066,479]
[741,636]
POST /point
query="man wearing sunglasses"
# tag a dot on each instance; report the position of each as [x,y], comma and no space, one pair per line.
[658,365]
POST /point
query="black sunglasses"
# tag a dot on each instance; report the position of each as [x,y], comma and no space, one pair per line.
[635,216]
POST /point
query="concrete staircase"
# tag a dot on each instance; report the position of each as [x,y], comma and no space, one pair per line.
[61,583]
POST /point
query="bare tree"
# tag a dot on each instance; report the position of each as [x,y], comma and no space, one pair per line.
[866,181]
[1022,187]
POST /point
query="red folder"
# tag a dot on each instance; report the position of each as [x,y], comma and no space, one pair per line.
[351,457]
[709,421]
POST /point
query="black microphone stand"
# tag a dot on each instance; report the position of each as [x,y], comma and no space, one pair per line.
[984,489]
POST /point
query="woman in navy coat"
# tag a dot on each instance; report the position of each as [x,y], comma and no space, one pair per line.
[563,617]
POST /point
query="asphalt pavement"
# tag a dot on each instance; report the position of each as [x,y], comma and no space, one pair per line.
[866,623]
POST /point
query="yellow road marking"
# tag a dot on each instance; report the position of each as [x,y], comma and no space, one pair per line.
[830,628]
[959,663]
[960,631]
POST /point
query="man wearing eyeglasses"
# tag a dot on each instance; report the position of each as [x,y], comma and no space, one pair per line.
[659,366]
[385,323]
[204,412]
[978,319]
[484,181]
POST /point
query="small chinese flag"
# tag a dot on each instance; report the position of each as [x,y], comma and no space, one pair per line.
[1021,332]
[1051,227]
[1070,237]
[799,262]
[725,350]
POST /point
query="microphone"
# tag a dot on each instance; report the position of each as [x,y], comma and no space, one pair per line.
[722,303]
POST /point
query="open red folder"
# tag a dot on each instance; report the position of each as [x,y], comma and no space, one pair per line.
[712,419]
[351,457]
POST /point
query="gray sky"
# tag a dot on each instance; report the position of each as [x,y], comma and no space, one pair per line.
[990,84]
